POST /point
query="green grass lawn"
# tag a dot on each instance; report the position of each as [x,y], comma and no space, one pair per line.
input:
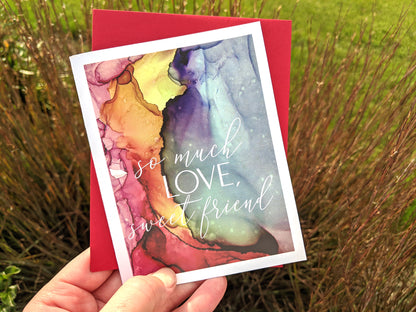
[309,16]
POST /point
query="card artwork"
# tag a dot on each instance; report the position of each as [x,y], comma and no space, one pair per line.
[186,143]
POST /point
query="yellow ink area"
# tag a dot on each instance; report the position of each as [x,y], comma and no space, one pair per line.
[139,95]
[151,75]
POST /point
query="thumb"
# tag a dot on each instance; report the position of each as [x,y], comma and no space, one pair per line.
[143,293]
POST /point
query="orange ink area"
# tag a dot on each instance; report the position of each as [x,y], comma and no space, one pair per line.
[140,123]
[169,241]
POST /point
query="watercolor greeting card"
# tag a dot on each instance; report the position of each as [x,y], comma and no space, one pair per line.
[188,153]
[116,28]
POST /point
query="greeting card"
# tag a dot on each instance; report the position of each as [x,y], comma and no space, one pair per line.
[116,28]
[188,153]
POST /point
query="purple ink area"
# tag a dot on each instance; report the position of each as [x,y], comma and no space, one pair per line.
[223,83]
[185,120]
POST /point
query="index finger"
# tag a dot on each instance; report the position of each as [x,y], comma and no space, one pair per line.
[78,273]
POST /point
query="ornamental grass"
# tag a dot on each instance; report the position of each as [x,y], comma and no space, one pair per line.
[351,154]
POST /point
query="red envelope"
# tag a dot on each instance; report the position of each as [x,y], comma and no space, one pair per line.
[116,28]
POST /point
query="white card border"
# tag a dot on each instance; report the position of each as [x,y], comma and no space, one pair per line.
[103,176]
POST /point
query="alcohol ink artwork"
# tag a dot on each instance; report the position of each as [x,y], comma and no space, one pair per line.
[187,147]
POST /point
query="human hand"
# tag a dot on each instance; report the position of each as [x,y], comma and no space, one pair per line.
[76,288]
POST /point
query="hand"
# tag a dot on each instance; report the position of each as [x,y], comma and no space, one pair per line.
[76,288]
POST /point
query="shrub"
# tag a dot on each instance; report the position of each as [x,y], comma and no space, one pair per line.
[7,290]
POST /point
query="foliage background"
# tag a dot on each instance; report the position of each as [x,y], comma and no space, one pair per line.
[352,143]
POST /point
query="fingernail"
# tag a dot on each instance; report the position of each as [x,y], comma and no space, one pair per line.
[167,276]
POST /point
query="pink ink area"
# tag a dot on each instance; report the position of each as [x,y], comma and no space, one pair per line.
[159,248]
[99,75]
